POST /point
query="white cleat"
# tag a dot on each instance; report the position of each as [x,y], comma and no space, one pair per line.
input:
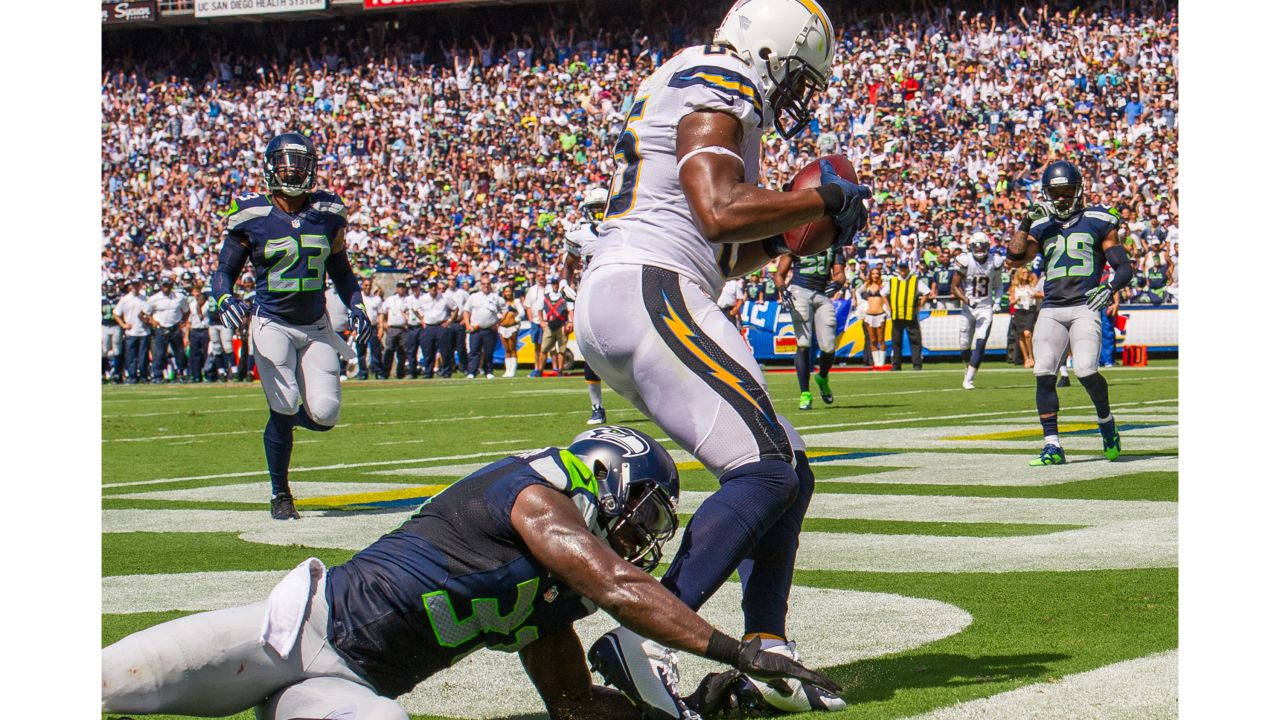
[967,384]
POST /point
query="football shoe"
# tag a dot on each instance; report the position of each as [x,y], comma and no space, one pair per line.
[644,671]
[282,507]
[597,416]
[1050,455]
[824,389]
[1110,440]
[806,400]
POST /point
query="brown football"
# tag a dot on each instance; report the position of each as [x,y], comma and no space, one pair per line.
[818,235]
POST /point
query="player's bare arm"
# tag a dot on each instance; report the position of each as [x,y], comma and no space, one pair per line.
[553,529]
[726,208]
[558,668]
[780,275]
[957,287]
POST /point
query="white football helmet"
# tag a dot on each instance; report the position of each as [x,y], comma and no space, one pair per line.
[979,246]
[791,44]
[594,202]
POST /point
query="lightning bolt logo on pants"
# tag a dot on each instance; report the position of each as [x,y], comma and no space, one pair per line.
[686,335]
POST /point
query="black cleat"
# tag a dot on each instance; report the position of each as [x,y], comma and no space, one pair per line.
[282,507]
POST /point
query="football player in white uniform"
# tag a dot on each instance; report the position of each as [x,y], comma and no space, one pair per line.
[685,212]
[578,245]
[977,283]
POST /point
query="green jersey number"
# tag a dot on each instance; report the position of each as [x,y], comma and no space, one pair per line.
[288,250]
[1069,257]
[485,618]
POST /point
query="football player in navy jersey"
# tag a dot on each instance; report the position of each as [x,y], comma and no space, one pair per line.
[294,236]
[1075,240]
[507,558]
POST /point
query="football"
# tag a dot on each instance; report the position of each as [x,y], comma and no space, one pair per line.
[818,235]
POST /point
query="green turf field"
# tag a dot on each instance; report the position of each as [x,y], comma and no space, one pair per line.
[935,567]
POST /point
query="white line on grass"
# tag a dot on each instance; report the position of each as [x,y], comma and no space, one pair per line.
[424,421]
[315,468]
[963,416]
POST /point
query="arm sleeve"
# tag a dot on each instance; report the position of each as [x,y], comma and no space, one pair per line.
[231,259]
[713,85]
[344,280]
[1121,269]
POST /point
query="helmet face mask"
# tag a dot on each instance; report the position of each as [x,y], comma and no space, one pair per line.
[638,489]
[1062,187]
[793,94]
[594,203]
[290,164]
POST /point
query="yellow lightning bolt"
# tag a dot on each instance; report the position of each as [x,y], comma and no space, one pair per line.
[686,335]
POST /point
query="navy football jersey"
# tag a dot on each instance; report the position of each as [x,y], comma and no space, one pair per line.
[456,577]
[942,276]
[288,252]
[813,272]
[1073,257]
[108,311]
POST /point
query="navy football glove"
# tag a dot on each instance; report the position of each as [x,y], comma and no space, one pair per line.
[766,667]
[361,327]
[1099,297]
[787,300]
[234,313]
[852,216]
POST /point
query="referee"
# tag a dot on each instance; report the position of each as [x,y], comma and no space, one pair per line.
[906,293]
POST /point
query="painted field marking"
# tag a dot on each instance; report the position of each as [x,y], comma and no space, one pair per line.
[1142,689]
[989,469]
[833,627]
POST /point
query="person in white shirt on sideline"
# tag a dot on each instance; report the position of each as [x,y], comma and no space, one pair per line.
[166,311]
[455,354]
[128,313]
[731,300]
[480,316]
[413,331]
[434,310]
[533,299]
[369,354]
[197,328]
[392,326]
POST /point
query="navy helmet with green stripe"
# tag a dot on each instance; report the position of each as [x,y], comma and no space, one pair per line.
[1062,187]
[291,164]
[639,489]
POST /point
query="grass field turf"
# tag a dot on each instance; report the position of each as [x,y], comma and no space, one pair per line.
[1028,626]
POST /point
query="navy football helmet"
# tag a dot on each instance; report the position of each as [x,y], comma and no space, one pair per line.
[291,164]
[1062,187]
[639,488]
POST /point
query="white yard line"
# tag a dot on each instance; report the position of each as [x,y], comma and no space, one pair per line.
[315,468]
[424,421]
[1141,689]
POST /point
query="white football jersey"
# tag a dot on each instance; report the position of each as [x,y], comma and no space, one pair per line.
[983,281]
[648,220]
[580,242]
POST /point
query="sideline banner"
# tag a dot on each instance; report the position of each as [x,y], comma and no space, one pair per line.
[227,8]
[130,11]
[393,4]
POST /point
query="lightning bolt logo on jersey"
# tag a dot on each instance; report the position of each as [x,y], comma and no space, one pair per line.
[648,220]
[288,252]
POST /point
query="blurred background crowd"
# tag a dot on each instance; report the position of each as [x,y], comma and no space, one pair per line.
[463,148]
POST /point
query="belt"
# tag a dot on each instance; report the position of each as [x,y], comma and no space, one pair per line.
[435,324]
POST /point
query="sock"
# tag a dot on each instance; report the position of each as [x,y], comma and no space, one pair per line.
[1096,386]
[825,360]
[766,573]
[596,394]
[728,526]
[1047,407]
[979,349]
[803,367]
[965,354]
[879,356]
[302,419]
[969,373]
[277,439]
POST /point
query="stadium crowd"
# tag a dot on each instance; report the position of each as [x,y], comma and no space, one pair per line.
[464,155]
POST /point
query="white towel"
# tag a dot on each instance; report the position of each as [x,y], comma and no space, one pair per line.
[287,606]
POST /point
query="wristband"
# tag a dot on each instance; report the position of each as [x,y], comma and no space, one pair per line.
[776,246]
[723,649]
[832,198]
